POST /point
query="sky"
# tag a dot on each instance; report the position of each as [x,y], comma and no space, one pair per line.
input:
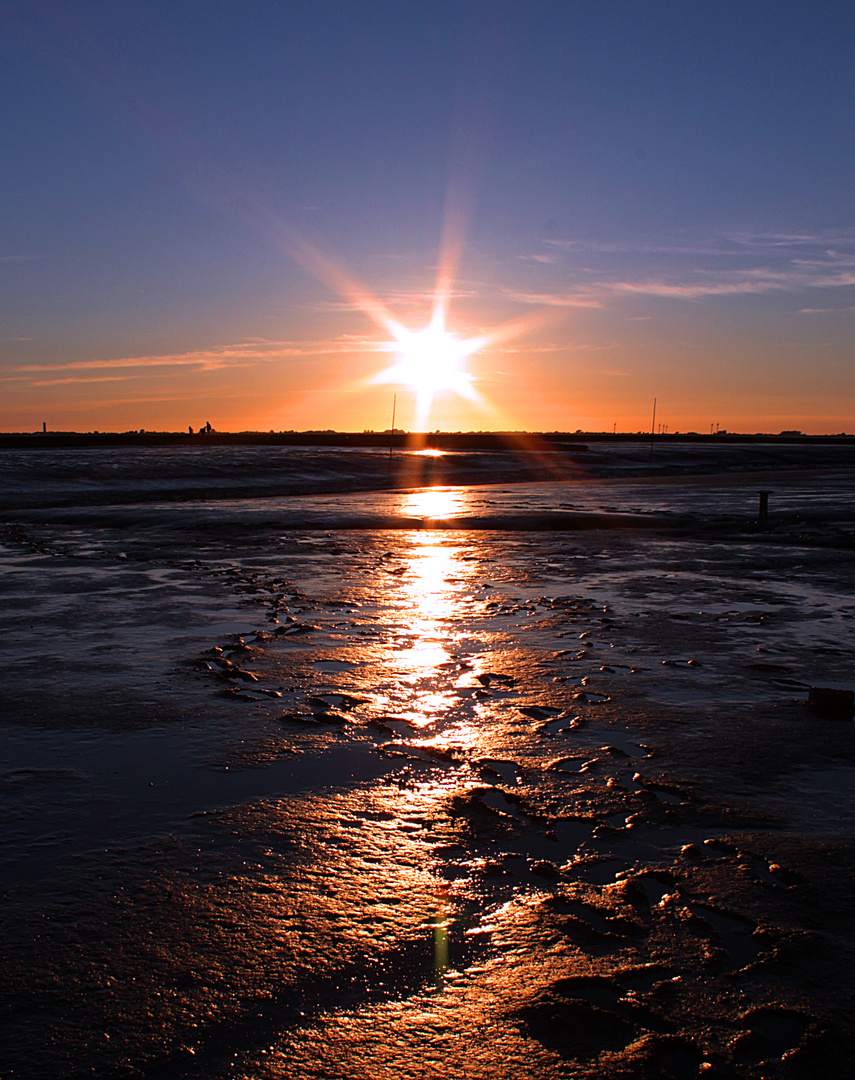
[245,213]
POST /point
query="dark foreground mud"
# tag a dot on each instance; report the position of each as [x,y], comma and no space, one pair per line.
[426,804]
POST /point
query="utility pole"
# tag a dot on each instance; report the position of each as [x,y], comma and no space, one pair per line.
[653,427]
[392,432]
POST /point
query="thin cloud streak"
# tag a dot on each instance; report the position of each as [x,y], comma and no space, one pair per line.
[752,283]
[237,355]
[553,300]
[732,264]
[96,379]
[733,242]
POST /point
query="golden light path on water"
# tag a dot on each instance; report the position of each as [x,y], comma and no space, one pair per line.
[432,601]
[433,591]
[434,502]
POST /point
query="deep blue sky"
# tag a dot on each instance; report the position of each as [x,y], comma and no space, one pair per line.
[676,179]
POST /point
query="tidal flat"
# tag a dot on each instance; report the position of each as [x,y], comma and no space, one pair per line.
[514,780]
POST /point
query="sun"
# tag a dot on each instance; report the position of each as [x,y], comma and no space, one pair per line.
[431,362]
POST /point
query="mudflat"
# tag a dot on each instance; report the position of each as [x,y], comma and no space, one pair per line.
[285,798]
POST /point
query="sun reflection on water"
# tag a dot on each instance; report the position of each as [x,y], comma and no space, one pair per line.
[434,502]
[432,594]
[424,693]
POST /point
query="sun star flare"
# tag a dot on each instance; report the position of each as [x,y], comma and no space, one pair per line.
[431,362]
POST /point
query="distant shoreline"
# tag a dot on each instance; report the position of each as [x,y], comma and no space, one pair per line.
[439,440]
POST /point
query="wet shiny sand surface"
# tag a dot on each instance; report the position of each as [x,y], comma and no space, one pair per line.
[427,802]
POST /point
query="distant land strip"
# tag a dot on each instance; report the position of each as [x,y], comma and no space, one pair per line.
[437,440]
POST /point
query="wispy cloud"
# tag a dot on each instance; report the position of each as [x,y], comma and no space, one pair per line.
[74,379]
[237,355]
[590,273]
[20,258]
[559,347]
[333,306]
[726,243]
[772,239]
[570,300]
[734,283]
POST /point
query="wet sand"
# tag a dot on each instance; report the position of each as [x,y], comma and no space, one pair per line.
[430,802]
